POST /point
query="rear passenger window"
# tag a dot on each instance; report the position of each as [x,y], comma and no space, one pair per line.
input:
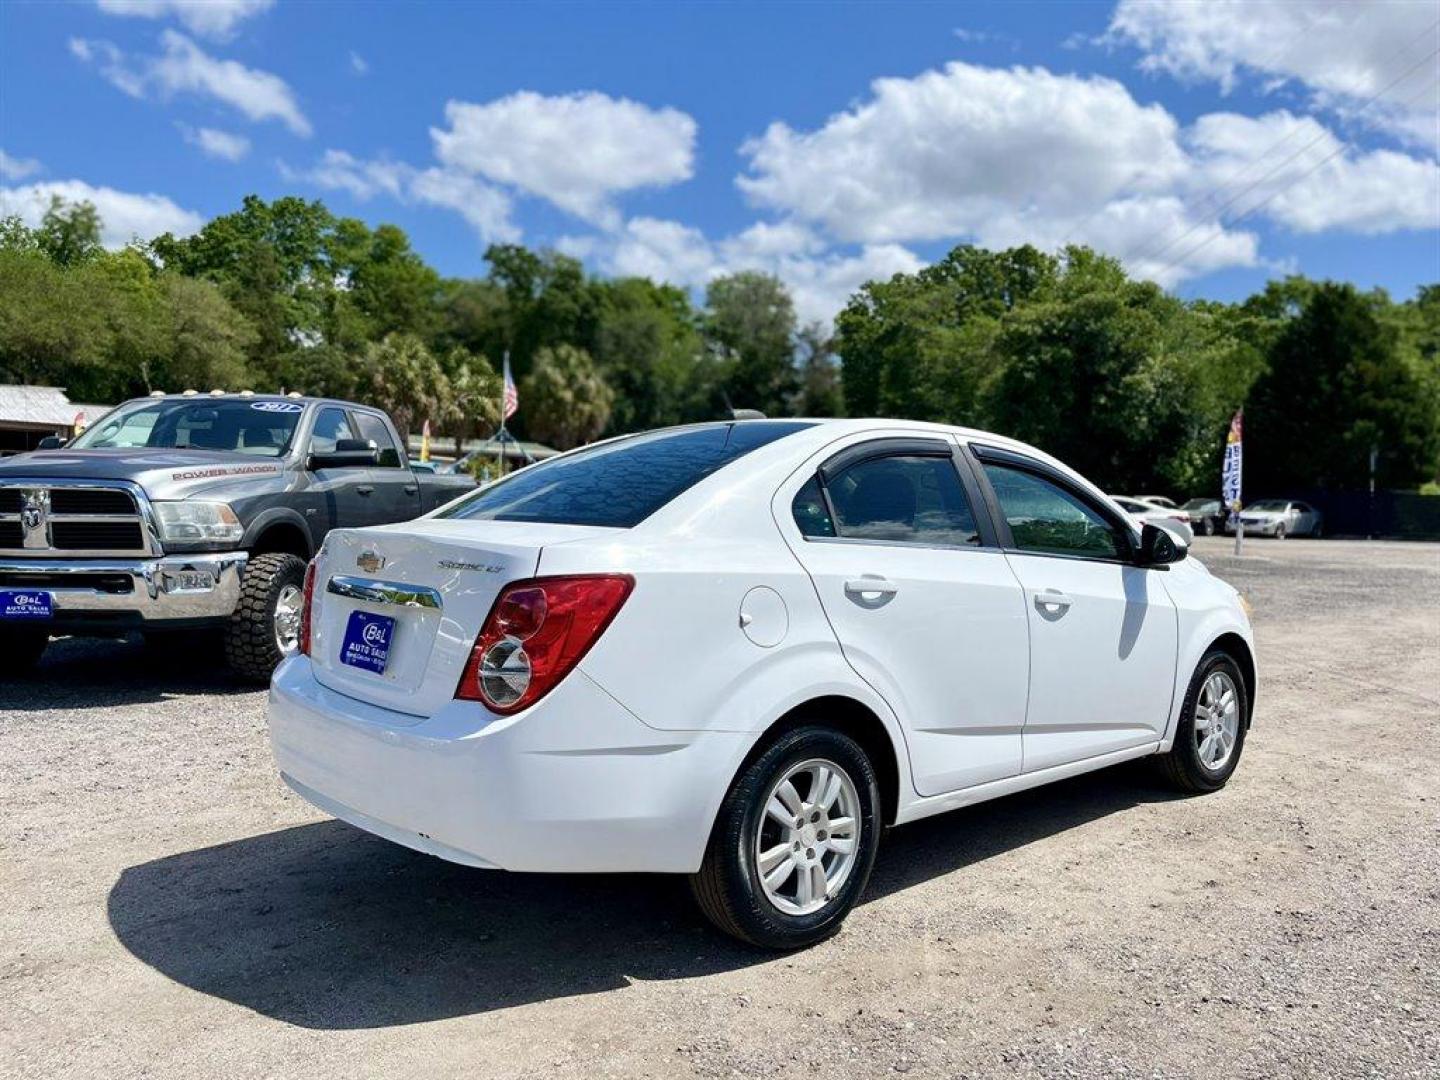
[811,515]
[903,500]
[374,429]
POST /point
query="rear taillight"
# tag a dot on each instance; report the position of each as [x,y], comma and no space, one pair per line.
[307,605]
[536,632]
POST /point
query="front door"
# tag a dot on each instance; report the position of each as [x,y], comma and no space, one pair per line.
[925,610]
[1103,632]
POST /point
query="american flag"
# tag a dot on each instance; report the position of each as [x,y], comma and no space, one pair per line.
[510,400]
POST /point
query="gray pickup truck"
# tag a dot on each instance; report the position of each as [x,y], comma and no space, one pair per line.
[186,511]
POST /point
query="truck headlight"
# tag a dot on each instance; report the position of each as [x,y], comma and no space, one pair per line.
[197,522]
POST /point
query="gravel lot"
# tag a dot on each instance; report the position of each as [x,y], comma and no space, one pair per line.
[171,911]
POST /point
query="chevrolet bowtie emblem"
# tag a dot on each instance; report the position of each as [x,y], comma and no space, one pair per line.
[370,561]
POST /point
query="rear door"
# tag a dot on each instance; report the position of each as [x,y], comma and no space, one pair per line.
[922,601]
[1103,632]
[396,489]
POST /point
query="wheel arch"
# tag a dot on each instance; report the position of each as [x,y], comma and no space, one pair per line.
[1239,650]
[280,534]
[851,717]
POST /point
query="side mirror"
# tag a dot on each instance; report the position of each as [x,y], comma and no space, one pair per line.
[348,454]
[50,442]
[1159,547]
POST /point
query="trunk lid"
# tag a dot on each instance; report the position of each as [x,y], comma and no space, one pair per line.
[437,580]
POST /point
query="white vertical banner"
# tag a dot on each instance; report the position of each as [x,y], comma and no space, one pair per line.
[1230,473]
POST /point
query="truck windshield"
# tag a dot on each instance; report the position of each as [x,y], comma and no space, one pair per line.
[262,427]
[621,483]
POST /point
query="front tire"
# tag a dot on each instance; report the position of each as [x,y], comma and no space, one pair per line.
[21,649]
[264,628]
[1208,527]
[1212,727]
[1280,531]
[794,842]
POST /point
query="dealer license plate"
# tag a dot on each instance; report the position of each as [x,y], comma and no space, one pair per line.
[367,641]
[25,604]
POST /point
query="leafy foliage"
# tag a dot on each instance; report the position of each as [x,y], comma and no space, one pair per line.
[1129,384]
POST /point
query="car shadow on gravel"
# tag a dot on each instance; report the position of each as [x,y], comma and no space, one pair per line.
[86,673]
[324,926]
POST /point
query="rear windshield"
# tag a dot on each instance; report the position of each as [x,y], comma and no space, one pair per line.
[619,484]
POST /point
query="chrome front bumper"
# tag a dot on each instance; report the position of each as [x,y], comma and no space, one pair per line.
[174,588]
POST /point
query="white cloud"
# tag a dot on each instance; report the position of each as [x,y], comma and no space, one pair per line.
[208,18]
[1020,155]
[1345,53]
[13,168]
[577,150]
[358,63]
[486,208]
[124,215]
[1299,174]
[938,155]
[820,281]
[184,67]
[214,143]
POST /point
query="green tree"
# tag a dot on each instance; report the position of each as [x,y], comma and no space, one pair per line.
[69,233]
[402,376]
[819,393]
[750,323]
[566,399]
[648,347]
[1336,386]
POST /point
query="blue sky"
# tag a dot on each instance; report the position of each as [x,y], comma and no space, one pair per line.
[1211,146]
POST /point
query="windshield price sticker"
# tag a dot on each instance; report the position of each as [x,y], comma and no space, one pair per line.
[277,406]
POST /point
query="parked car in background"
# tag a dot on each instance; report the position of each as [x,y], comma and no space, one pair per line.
[1167,517]
[1157,500]
[1206,515]
[739,650]
[189,512]
[1279,518]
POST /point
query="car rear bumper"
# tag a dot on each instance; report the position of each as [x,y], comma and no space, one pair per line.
[175,589]
[575,784]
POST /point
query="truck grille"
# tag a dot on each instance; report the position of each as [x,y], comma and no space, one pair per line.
[36,520]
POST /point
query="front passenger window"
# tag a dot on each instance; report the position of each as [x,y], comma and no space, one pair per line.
[906,499]
[1045,518]
[331,426]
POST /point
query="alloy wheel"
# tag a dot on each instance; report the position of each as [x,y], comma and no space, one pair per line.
[1217,721]
[287,619]
[808,838]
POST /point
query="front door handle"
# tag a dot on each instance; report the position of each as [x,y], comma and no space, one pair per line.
[411,489]
[870,586]
[1052,600]
[364,489]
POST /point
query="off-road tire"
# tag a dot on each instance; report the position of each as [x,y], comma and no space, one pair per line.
[21,649]
[250,647]
[727,886]
[1182,768]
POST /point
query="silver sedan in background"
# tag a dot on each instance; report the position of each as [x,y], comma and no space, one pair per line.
[1279,518]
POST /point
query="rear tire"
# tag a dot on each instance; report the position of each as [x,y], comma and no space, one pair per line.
[729,887]
[254,646]
[1195,764]
[1280,531]
[21,649]
[1208,527]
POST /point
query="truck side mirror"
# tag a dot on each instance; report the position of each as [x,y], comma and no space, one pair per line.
[50,442]
[348,454]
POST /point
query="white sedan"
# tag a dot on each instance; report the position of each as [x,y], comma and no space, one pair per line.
[1167,517]
[738,651]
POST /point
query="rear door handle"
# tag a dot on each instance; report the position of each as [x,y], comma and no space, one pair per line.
[411,489]
[1052,599]
[870,586]
[364,489]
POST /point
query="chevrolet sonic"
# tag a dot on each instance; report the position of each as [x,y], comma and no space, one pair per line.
[739,650]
